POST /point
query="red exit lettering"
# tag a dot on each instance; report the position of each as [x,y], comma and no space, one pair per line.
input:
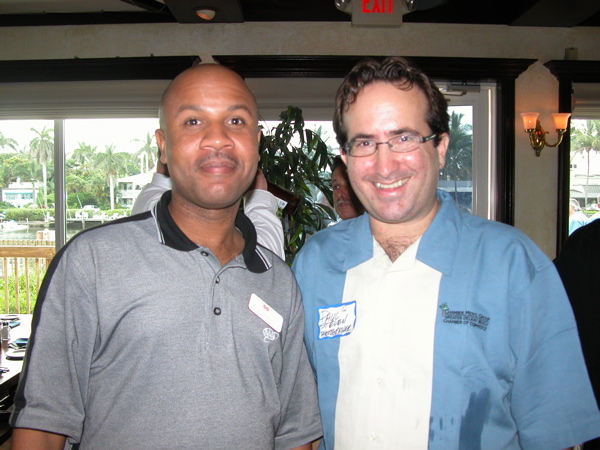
[379,6]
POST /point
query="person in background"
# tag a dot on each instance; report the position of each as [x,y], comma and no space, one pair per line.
[428,327]
[172,328]
[345,203]
[259,205]
[576,217]
[596,215]
[151,193]
[578,264]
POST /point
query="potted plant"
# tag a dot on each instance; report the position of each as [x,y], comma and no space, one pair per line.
[298,160]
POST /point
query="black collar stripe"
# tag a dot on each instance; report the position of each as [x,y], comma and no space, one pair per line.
[170,234]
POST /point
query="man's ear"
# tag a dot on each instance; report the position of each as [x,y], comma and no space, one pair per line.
[344,156]
[160,142]
[442,148]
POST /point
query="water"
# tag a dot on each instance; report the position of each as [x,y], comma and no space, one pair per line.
[30,233]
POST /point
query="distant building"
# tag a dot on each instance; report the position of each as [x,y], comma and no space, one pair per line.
[129,188]
[585,178]
[20,194]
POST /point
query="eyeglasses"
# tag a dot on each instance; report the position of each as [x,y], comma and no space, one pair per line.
[403,143]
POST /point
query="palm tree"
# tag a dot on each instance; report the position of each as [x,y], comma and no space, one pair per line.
[459,156]
[149,150]
[83,155]
[111,162]
[586,139]
[42,151]
[7,142]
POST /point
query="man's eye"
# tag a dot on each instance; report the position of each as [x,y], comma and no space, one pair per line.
[237,121]
[405,137]
[364,143]
[192,122]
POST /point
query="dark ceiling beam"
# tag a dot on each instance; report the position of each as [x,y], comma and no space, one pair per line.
[93,69]
[148,5]
[100,18]
[459,69]
[558,13]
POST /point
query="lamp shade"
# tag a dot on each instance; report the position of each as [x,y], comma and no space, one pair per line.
[529,120]
[561,120]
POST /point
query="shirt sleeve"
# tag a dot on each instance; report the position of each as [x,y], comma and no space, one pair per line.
[301,421]
[552,399]
[261,208]
[55,376]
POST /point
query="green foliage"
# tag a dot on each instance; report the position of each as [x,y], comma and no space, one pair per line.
[459,156]
[297,159]
[586,139]
[30,214]
[12,304]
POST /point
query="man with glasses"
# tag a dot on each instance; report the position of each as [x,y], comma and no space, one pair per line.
[428,327]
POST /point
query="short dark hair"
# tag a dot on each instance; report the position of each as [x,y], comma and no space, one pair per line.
[403,74]
[337,162]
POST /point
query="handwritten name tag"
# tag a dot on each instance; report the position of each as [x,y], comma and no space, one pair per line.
[265,312]
[337,320]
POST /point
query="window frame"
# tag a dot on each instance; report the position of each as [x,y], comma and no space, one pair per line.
[501,71]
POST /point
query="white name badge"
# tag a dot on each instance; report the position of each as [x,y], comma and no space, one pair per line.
[265,313]
[335,321]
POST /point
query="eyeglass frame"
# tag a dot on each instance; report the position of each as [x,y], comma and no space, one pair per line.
[421,140]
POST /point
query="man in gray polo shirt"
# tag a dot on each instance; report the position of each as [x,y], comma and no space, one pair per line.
[173,328]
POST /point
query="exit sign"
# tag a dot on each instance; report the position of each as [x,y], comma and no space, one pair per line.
[378,13]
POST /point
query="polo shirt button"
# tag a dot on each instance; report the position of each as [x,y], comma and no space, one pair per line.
[217,311]
[203,253]
[372,436]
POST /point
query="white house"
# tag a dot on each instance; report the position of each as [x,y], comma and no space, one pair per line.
[20,194]
[128,188]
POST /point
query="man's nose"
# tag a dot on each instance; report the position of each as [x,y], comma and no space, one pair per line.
[217,136]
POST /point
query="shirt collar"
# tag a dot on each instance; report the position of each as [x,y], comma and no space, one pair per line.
[169,233]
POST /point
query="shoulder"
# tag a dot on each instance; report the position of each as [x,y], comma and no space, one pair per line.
[456,237]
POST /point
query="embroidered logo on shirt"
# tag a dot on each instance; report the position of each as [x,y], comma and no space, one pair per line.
[269,335]
[335,321]
[464,317]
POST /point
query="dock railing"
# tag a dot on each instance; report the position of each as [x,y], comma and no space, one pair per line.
[24,264]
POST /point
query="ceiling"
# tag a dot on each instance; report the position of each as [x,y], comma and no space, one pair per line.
[549,13]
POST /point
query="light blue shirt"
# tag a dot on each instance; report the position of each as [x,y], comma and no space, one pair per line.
[508,369]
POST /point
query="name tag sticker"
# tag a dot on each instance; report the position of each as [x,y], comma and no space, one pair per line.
[265,313]
[335,321]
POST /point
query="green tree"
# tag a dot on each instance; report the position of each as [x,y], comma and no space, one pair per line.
[111,163]
[7,142]
[13,166]
[42,151]
[459,156]
[148,151]
[585,140]
[83,156]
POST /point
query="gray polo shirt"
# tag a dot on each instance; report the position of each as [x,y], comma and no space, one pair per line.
[142,340]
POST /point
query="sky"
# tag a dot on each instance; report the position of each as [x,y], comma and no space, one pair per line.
[95,132]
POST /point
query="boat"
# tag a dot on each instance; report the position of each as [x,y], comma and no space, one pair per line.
[11,225]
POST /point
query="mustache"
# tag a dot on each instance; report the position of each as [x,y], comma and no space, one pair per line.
[218,156]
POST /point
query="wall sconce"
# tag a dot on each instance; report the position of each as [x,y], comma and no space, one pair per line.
[537,135]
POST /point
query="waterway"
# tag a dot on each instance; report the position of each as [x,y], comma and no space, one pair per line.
[31,231]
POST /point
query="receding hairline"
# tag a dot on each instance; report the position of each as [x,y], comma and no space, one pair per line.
[212,70]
